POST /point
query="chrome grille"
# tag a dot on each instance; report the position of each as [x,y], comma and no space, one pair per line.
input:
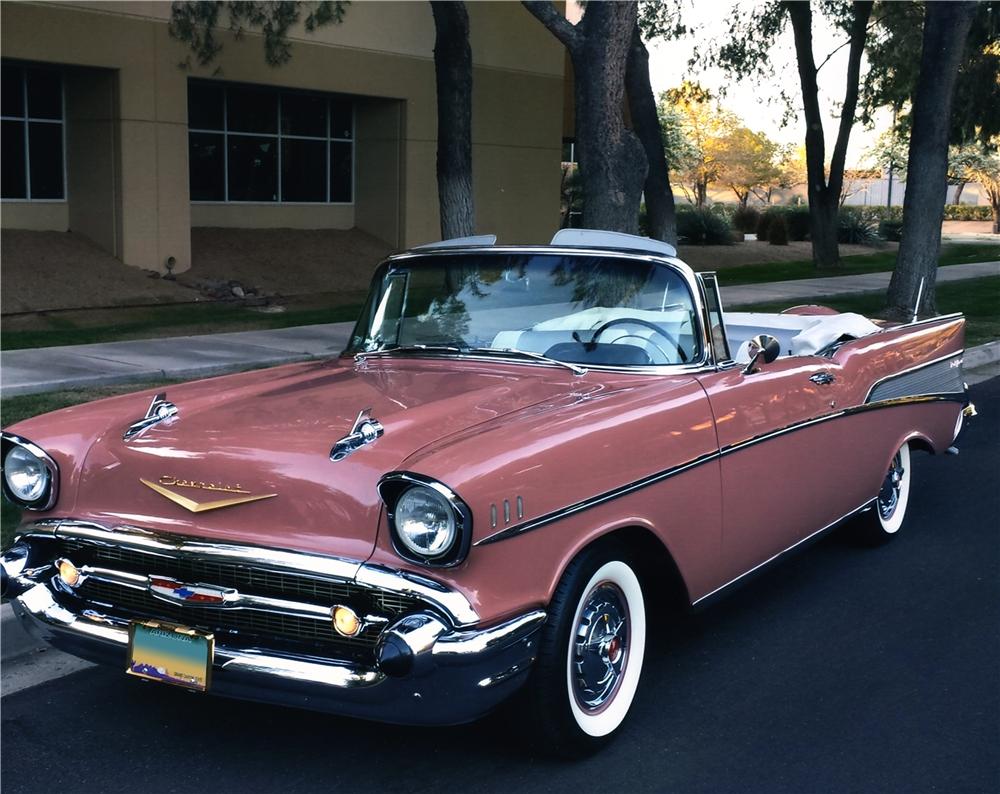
[245,625]
[246,579]
[237,626]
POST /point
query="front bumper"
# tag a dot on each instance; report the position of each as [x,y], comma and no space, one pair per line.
[454,675]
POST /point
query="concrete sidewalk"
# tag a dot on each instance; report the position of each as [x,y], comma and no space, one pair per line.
[183,357]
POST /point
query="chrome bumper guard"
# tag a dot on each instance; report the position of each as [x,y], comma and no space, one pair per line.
[428,673]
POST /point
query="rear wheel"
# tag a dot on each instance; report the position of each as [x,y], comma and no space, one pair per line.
[883,522]
[590,654]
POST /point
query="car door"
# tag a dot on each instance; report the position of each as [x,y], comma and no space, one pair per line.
[781,457]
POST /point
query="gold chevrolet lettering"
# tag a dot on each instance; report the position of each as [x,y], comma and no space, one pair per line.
[201,507]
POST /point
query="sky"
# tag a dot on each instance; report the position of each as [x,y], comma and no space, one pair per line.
[759,104]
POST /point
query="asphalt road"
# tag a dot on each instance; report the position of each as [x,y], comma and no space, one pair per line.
[844,669]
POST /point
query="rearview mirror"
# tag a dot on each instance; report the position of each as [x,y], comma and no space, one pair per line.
[763,349]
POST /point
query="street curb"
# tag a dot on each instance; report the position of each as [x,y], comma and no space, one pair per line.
[982,355]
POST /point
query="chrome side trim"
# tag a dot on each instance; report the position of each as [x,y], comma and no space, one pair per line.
[451,603]
[53,468]
[652,479]
[770,560]
[586,504]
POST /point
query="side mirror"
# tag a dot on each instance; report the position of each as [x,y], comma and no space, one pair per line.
[763,348]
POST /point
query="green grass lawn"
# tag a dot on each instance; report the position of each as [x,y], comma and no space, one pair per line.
[115,325]
[878,262]
[978,299]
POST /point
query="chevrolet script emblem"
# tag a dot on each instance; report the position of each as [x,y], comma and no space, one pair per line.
[201,507]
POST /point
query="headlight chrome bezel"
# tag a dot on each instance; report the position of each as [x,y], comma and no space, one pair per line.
[393,485]
[47,500]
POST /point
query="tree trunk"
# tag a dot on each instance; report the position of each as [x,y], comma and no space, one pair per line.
[946,28]
[824,193]
[660,211]
[958,192]
[453,70]
[612,160]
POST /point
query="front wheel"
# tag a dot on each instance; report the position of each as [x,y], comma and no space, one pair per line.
[590,655]
[883,522]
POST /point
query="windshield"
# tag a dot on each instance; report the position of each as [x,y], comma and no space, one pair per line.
[582,309]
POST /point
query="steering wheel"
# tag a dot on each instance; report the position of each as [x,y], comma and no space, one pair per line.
[645,324]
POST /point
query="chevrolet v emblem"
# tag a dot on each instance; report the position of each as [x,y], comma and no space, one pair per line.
[201,507]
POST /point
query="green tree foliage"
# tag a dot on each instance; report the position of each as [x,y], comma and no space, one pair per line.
[893,54]
[196,23]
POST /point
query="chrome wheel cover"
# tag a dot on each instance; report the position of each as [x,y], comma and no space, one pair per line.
[888,497]
[600,647]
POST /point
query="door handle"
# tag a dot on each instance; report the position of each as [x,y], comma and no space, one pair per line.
[822,378]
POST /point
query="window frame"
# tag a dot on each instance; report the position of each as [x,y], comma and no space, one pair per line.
[278,137]
[27,120]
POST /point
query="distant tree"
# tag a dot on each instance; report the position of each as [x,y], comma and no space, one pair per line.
[946,30]
[694,129]
[751,38]
[613,162]
[791,171]
[984,168]
[748,162]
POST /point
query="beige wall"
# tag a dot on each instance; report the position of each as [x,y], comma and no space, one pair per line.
[382,53]
[39,216]
[93,188]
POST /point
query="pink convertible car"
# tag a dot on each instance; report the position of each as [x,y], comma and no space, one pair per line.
[523,453]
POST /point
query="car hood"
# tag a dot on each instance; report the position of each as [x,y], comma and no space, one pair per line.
[269,434]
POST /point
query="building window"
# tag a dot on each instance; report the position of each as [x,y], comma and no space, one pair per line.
[258,144]
[32,120]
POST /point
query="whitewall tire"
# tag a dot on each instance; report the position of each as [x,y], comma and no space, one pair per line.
[885,519]
[590,654]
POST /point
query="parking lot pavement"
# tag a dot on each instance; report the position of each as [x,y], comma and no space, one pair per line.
[844,669]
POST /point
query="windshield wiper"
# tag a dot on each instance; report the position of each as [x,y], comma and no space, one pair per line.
[495,351]
[511,351]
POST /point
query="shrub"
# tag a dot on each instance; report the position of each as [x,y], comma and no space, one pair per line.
[703,227]
[856,226]
[797,219]
[745,219]
[777,230]
[891,230]
[967,212]
[766,218]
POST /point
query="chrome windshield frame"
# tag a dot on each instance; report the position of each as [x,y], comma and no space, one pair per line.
[705,362]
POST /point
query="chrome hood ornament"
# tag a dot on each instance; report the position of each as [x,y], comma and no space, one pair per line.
[159,410]
[365,431]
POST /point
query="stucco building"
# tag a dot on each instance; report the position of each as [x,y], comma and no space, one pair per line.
[112,130]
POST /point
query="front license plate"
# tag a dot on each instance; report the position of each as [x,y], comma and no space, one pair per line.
[171,654]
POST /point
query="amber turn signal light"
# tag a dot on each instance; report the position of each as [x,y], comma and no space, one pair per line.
[69,573]
[346,621]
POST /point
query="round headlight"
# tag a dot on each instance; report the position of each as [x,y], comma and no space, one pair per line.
[27,476]
[425,522]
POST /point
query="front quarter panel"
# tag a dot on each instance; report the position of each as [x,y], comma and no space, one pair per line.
[602,439]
